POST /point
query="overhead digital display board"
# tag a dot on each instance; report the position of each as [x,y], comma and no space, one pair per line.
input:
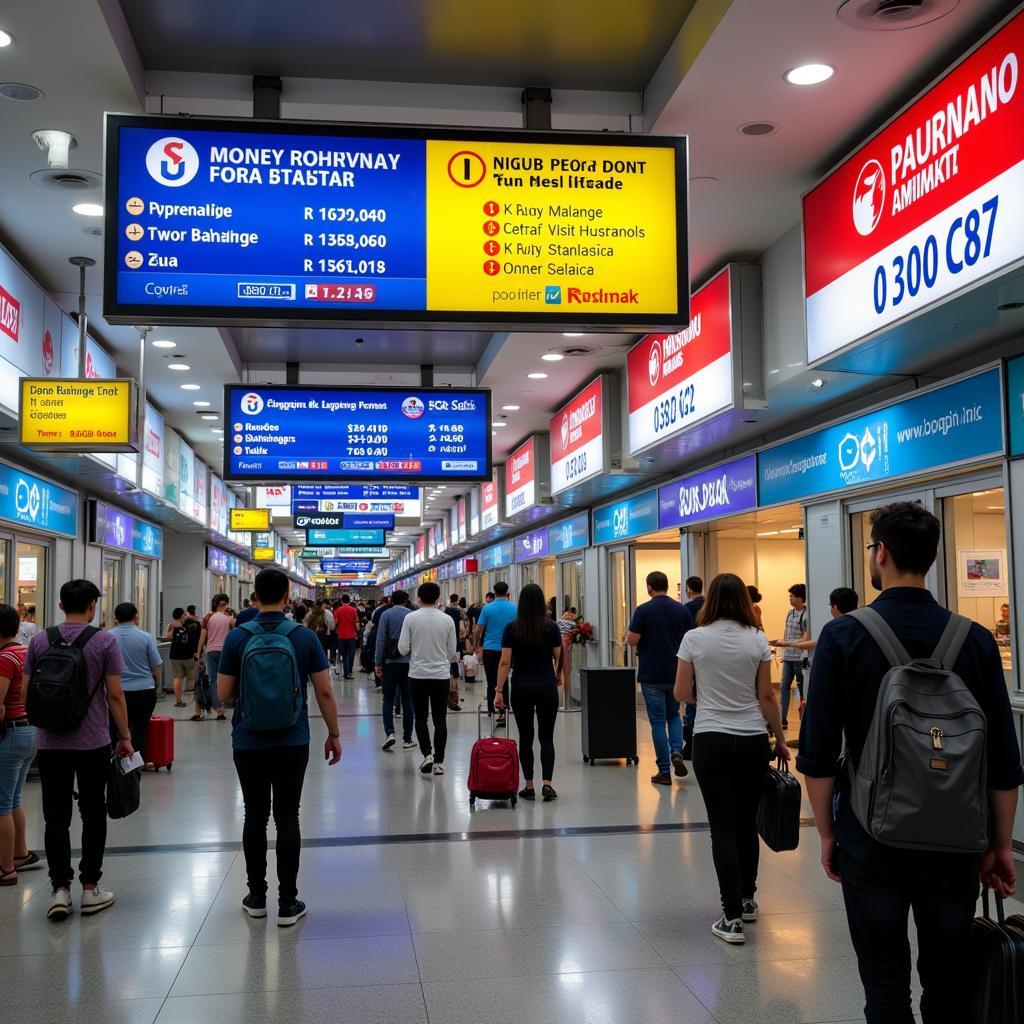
[345,538]
[78,415]
[357,521]
[214,220]
[333,566]
[279,432]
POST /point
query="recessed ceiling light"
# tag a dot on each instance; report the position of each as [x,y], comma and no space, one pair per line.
[164,343]
[537,376]
[202,405]
[216,430]
[180,367]
[5,38]
[572,334]
[20,92]
[189,387]
[494,433]
[499,424]
[552,357]
[88,209]
[810,74]
[511,408]
[209,416]
[817,383]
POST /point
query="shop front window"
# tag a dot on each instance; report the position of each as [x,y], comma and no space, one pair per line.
[141,591]
[618,652]
[110,584]
[30,566]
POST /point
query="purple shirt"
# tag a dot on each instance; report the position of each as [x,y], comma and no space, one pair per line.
[102,658]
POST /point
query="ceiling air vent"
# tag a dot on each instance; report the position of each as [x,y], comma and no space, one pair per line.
[66,179]
[576,350]
[893,15]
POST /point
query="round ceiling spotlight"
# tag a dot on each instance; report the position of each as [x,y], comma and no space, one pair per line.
[755,129]
[537,376]
[511,408]
[810,74]
[552,357]
[6,39]
[164,343]
[189,387]
[893,15]
[87,209]
[201,405]
[180,367]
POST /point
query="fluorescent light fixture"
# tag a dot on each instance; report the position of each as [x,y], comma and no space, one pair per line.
[552,357]
[499,424]
[572,334]
[164,343]
[179,367]
[510,408]
[189,387]
[201,404]
[209,416]
[537,376]
[88,209]
[810,74]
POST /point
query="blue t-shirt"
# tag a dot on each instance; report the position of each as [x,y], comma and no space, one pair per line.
[662,623]
[494,618]
[140,657]
[309,654]
[246,614]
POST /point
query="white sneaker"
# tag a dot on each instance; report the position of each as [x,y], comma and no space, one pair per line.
[95,900]
[439,769]
[61,906]
[389,742]
[409,744]
[427,764]
[729,931]
[750,909]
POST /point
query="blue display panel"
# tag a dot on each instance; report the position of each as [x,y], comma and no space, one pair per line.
[354,492]
[497,556]
[624,519]
[722,491]
[569,535]
[32,501]
[116,529]
[1015,404]
[358,521]
[281,433]
[958,423]
[344,538]
[346,565]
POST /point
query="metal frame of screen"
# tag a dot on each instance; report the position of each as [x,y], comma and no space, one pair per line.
[355,478]
[255,316]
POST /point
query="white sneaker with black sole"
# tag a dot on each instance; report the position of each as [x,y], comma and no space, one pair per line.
[439,769]
[409,744]
[61,907]
[427,764]
[750,909]
[729,931]
[389,742]
[97,899]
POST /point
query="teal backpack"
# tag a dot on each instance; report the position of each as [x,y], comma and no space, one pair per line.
[270,689]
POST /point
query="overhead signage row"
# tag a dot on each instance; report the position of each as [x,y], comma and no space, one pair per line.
[626,519]
[116,529]
[929,205]
[78,415]
[726,490]
[29,500]
[225,564]
[212,220]
[346,565]
[578,438]
[292,433]
[345,538]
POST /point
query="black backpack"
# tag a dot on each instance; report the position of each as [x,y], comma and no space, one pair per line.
[58,696]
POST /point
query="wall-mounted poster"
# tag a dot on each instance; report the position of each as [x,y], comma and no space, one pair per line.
[981,572]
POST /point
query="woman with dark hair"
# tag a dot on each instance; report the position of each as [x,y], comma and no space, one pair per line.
[756,598]
[530,647]
[730,657]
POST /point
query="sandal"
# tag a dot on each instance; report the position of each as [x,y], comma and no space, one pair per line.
[180,704]
[33,860]
[8,877]
[196,718]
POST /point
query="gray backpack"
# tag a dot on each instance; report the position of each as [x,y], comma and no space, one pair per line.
[922,780]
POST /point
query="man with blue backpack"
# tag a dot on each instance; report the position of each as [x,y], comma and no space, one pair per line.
[265,666]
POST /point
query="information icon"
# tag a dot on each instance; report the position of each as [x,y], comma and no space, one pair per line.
[467,169]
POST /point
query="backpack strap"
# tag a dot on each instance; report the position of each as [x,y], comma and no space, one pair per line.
[880,631]
[84,637]
[53,634]
[952,641]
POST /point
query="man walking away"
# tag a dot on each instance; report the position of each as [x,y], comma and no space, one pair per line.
[792,657]
[265,667]
[840,601]
[249,613]
[455,613]
[490,628]
[73,686]
[656,631]
[882,884]
[392,668]
[694,602]
[142,665]
[346,624]
[428,637]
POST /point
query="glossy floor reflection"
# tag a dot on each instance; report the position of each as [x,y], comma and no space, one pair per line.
[584,929]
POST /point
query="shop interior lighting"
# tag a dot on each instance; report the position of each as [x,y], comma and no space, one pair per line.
[810,74]
[87,209]
[179,367]
[164,343]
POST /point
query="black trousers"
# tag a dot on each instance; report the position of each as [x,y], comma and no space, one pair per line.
[491,661]
[881,887]
[141,704]
[61,773]
[272,779]
[539,699]
[430,696]
[730,771]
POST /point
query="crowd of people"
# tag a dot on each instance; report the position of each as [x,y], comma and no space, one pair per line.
[76,695]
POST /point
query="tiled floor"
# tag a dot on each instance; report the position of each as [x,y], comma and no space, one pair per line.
[578,929]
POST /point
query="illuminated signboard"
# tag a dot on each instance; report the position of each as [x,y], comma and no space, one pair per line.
[293,433]
[928,206]
[214,220]
[490,504]
[78,415]
[249,520]
[632,517]
[32,501]
[527,475]
[358,521]
[577,438]
[346,565]
[531,546]
[345,538]
[722,491]
[116,529]
[262,554]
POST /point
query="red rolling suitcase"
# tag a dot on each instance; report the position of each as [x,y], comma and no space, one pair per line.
[493,766]
[160,742]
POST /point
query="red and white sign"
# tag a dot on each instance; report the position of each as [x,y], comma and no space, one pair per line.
[489,503]
[10,314]
[676,380]
[521,478]
[421,547]
[931,204]
[577,439]
[460,516]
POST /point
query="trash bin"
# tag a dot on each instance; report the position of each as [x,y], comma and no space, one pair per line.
[608,696]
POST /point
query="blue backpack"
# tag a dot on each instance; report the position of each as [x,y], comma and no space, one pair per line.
[269,688]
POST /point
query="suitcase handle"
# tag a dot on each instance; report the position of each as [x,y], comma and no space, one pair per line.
[481,710]
[1000,909]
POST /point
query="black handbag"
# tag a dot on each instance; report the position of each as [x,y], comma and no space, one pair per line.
[778,813]
[997,954]
[204,692]
[123,790]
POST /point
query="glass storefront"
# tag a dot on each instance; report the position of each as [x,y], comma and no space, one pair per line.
[141,590]
[111,581]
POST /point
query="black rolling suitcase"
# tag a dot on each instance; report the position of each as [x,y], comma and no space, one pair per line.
[778,814]
[997,952]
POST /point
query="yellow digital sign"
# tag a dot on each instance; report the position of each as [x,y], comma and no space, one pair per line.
[250,520]
[65,414]
[262,554]
[557,229]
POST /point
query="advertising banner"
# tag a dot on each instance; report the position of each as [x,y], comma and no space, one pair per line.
[521,478]
[250,520]
[346,565]
[723,491]
[1015,404]
[279,496]
[153,452]
[31,501]
[116,529]
[622,520]
[929,205]
[359,521]
[199,510]
[460,513]
[577,438]
[172,467]
[569,535]
[497,556]
[344,538]
[531,546]
[950,425]
[78,415]
[489,513]
[221,562]
[219,521]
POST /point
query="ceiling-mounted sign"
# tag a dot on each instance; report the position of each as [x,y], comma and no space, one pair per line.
[578,438]
[527,475]
[622,520]
[215,220]
[274,497]
[944,427]
[929,205]
[228,565]
[677,380]
[460,520]
[359,521]
[346,565]
[263,554]
[249,520]
[78,415]
[344,538]
[319,520]
[490,503]
[293,433]
[153,452]
[722,491]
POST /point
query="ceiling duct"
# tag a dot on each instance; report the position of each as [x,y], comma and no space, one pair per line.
[893,15]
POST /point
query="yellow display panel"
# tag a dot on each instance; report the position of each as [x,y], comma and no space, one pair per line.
[571,230]
[262,554]
[78,415]
[250,520]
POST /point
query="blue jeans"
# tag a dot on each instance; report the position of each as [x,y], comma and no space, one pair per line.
[666,725]
[347,648]
[790,670]
[212,665]
[17,750]
[395,683]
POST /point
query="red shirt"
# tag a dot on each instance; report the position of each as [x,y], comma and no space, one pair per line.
[346,618]
[12,664]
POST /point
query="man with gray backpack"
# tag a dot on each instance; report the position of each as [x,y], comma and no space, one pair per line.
[265,666]
[920,804]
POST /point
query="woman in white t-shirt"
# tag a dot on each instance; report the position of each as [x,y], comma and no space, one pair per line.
[730,659]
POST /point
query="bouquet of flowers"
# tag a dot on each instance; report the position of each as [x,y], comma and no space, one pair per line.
[584,633]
